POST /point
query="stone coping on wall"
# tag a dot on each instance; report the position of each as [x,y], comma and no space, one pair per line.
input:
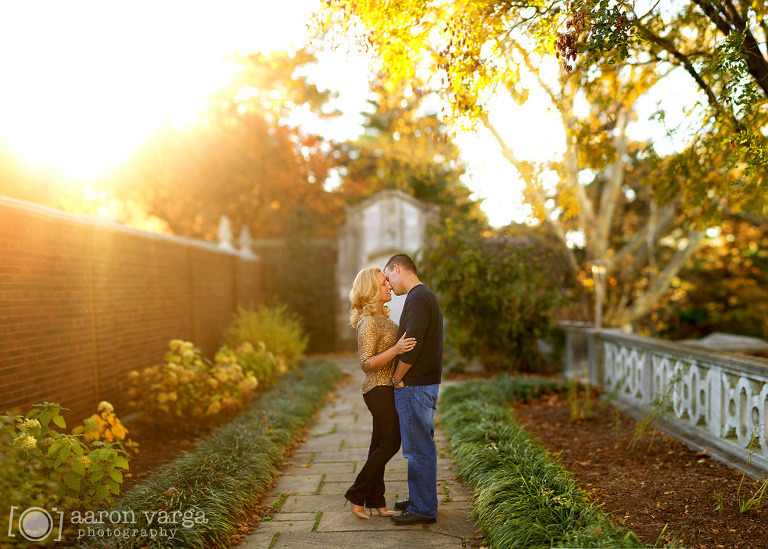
[110,224]
[728,360]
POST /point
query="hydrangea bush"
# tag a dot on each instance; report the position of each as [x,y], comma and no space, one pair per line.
[187,388]
[42,466]
[265,366]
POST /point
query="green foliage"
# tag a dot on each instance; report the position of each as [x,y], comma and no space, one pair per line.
[660,408]
[498,296]
[408,148]
[756,500]
[186,388]
[266,367]
[579,410]
[291,279]
[718,47]
[737,258]
[275,328]
[230,469]
[720,501]
[523,496]
[46,467]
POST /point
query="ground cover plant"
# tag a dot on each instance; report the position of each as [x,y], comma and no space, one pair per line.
[201,494]
[524,498]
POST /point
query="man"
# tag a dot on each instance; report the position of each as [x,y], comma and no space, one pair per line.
[417,381]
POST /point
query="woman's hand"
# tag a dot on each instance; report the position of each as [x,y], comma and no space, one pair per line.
[404,344]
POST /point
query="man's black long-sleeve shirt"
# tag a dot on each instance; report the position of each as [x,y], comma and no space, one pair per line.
[421,318]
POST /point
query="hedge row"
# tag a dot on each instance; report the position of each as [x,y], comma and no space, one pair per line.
[524,498]
[202,493]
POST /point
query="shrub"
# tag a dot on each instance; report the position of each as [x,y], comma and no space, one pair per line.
[187,389]
[57,468]
[105,426]
[498,296]
[266,367]
[279,330]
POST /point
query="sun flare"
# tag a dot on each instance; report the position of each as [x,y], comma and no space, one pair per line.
[84,83]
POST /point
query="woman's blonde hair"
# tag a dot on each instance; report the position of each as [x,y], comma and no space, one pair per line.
[365,295]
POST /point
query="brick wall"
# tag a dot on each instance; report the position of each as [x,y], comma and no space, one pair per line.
[300,273]
[84,301]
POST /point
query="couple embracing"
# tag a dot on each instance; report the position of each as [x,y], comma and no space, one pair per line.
[402,365]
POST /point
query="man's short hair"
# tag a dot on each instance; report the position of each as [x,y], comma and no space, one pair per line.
[404,261]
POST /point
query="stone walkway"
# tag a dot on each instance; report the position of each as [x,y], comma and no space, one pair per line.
[315,479]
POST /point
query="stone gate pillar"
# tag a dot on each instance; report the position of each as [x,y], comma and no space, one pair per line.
[389,222]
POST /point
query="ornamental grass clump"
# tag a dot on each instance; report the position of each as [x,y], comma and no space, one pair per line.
[524,498]
[229,470]
[275,328]
[186,389]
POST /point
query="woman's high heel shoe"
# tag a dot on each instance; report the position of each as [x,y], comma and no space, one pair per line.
[358,510]
[384,512]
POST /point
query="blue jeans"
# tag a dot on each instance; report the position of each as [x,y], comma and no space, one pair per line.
[416,407]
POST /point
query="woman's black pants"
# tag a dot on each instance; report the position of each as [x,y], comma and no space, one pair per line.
[368,489]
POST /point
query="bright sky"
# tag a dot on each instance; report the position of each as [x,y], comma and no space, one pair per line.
[84,82]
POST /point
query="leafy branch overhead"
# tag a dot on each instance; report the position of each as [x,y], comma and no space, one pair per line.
[468,51]
[640,209]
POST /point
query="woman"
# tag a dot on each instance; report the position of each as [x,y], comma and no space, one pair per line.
[377,348]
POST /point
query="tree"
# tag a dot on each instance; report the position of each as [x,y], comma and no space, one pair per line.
[723,289]
[406,147]
[241,159]
[477,47]
[720,44]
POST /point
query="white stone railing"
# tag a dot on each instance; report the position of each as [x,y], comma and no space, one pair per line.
[715,400]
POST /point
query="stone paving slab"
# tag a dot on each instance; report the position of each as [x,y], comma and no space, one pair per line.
[289,517]
[340,488]
[346,455]
[364,540]
[295,503]
[346,468]
[303,484]
[347,522]
[316,476]
[325,443]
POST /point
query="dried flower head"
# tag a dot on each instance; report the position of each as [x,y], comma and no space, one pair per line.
[105,406]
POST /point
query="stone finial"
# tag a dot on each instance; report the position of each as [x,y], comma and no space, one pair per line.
[224,234]
[245,243]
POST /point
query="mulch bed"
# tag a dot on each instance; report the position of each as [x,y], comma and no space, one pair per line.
[155,449]
[658,483]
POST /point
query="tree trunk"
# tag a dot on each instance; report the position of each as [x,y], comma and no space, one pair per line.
[660,285]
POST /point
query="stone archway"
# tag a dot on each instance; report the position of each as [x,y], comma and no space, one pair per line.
[389,222]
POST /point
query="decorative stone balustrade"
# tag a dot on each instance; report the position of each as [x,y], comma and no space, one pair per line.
[716,400]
